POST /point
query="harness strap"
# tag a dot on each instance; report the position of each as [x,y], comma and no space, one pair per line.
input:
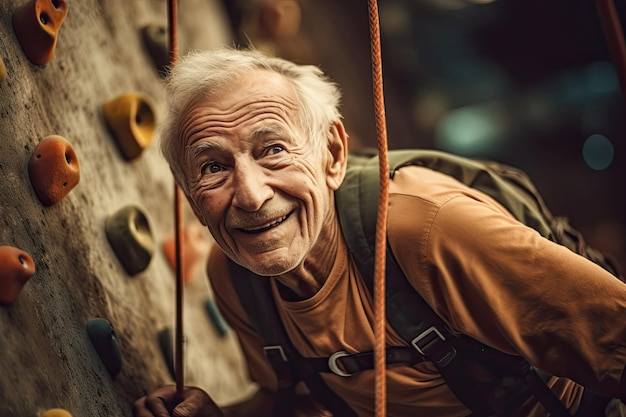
[458,357]
[256,298]
[546,397]
[592,404]
[326,397]
[344,364]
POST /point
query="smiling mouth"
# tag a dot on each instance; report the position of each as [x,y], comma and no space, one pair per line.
[261,229]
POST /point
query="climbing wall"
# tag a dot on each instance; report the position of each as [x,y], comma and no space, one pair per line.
[83,333]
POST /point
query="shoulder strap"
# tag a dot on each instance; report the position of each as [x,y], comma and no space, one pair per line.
[358,220]
[508,185]
[489,382]
[255,295]
[457,358]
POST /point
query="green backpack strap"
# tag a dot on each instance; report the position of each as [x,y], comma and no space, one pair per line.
[357,198]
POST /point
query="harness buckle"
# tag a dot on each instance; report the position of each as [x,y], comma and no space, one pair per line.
[332,363]
[275,351]
[430,339]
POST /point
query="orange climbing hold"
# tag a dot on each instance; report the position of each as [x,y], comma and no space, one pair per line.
[36,25]
[16,268]
[56,412]
[131,119]
[195,248]
[53,169]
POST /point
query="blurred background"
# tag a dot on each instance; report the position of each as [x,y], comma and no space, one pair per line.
[526,82]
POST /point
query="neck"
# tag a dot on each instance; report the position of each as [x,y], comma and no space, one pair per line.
[307,278]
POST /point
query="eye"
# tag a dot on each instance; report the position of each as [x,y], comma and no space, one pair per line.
[275,149]
[211,168]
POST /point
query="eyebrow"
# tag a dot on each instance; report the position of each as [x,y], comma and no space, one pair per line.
[197,149]
[268,130]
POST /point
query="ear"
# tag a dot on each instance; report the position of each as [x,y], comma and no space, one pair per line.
[338,153]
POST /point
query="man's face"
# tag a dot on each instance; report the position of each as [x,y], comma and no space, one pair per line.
[254,180]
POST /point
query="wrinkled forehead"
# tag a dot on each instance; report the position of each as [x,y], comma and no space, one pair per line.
[255,96]
[255,85]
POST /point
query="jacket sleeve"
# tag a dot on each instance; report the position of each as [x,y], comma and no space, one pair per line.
[499,281]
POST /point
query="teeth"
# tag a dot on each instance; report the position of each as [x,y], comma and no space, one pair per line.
[267,226]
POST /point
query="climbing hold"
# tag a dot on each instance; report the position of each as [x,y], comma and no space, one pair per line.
[155,38]
[195,246]
[167,349]
[56,412]
[166,343]
[280,18]
[129,234]
[3,70]
[132,121]
[106,345]
[16,268]
[53,169]
[216,317]
[36,25]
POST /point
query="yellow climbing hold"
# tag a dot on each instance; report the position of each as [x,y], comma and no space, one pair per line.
[3,70]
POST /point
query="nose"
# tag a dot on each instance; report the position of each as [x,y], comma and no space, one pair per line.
[251,188]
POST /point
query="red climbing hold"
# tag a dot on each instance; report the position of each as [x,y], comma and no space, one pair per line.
[16,268]
[195,245]
[53,169]
[36,25]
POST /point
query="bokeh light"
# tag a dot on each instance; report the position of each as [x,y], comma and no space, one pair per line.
[598,152]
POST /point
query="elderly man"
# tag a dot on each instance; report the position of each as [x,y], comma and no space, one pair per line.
[258,147]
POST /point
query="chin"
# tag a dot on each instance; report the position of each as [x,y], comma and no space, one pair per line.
[270,267]
[269,270]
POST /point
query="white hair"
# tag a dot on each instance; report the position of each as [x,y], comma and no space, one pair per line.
[200,73]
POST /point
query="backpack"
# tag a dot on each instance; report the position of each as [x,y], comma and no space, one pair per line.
[489,382]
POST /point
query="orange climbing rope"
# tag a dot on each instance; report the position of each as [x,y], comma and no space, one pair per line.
[614,37]
[172,17]
[381,229]
[381,221]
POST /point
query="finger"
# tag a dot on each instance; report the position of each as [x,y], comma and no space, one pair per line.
[197,401]
[139,408]
[161,401]
[167,393]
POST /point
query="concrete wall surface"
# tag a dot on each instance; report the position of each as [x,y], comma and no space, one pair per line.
[46,357]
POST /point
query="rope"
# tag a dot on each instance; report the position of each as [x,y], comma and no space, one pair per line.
[172,15]
[381,221]
[614,38]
